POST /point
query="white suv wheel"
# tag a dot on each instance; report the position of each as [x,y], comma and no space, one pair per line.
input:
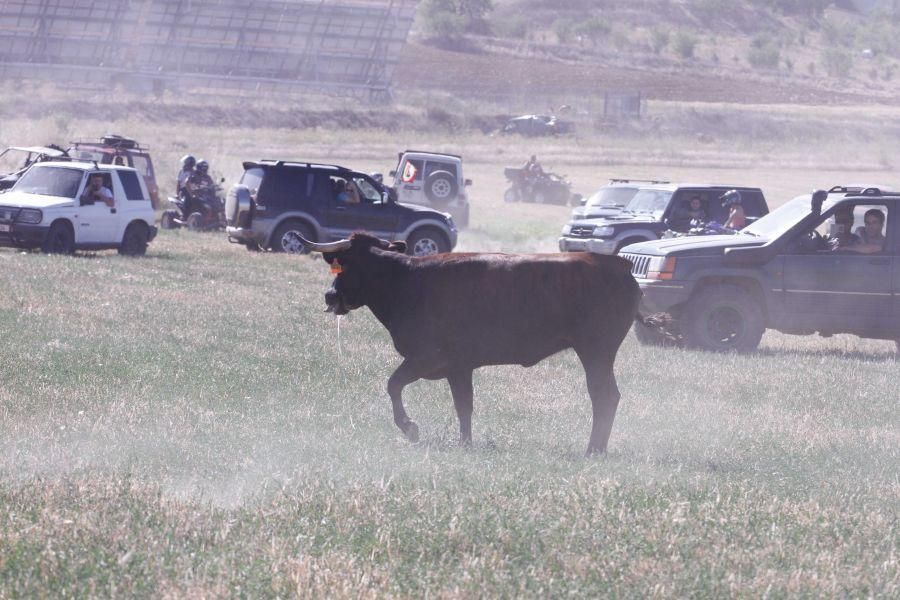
[441,188]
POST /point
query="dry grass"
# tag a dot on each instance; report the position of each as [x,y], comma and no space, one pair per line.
[190,423]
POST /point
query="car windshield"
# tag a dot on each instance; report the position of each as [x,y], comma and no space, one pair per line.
[781,219]
[50,181]
[611,196]
[649,202]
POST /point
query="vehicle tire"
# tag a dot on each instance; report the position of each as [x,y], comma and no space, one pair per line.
[723,318]
[195,221]
[167,219]
[134,241]
[649,336]
[427,241]
[511,195]
[627,241]
[441,187]
[60,239]
[287,237]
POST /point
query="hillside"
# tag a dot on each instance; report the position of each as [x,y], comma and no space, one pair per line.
[751,51]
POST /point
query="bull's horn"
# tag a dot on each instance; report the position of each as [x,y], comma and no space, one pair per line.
[329,247]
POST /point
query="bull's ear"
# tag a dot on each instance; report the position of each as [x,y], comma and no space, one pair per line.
[398,247]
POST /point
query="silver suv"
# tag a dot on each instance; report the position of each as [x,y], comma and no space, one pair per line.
[433,179]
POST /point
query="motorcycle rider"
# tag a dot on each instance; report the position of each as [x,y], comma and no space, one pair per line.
[731,200]
[187,169]
[198,185]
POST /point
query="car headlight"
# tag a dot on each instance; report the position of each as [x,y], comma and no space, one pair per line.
[603,231]
[661,267]
[567,229]
[29,215]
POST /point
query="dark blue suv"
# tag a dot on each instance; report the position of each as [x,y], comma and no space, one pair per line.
[827,263]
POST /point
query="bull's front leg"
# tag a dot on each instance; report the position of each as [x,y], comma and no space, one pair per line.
[461,388]
[405,374]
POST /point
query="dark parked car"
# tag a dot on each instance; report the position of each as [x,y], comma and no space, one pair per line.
[652,211]
[278,202]
[536,125]
[816,264]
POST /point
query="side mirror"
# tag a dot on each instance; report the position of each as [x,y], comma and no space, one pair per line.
[222,180]
[583,201]
[392,173]
[818,198]
[467,182]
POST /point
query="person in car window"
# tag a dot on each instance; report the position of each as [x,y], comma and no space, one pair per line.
[842,236]
[95,191]
[352,192]
[870,237]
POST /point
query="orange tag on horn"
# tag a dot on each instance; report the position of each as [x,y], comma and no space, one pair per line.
[336,267]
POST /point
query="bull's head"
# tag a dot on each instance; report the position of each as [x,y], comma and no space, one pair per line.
[355,268]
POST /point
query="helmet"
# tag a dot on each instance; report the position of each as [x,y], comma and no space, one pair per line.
[188,161]
[202,166]
[730,197]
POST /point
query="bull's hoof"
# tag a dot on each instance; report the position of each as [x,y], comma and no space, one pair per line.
[411,432]
[594,452]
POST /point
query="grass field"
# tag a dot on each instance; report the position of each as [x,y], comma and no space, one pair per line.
[191,424]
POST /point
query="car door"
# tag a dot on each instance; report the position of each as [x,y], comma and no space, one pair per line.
[97,223]
[372,214]
[839,291]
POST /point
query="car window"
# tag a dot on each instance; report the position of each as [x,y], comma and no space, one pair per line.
[781,219]
[142,164]
[649,202]
[251,179]
[131,184]
[612,196]
[435,165]
[50,181]
[412,171]
[283,188]
[369,193]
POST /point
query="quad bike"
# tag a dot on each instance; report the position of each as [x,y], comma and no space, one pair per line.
[543,188]
[207,211]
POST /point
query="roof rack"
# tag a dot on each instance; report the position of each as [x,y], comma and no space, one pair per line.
[432,152]
[294,163]
[651,181]
[111,140]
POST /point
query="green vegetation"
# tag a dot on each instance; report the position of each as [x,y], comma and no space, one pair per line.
[764,53]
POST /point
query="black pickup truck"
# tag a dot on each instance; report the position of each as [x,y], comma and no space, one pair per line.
[827,263]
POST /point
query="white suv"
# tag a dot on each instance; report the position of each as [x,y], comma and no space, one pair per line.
[45,209]
[433,179]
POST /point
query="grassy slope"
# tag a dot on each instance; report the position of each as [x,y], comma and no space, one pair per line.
[249,449]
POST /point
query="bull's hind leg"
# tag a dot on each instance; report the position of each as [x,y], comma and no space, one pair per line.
[461,387]
[601,384]
[405,374]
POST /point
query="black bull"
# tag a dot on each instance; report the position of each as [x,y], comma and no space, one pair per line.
[449,314]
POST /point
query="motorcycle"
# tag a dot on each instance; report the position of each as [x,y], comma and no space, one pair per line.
[543,188]
[207,211]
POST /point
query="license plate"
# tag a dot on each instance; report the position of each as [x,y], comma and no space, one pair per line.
[4,227]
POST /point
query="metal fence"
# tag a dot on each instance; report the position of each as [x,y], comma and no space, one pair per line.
[270,45]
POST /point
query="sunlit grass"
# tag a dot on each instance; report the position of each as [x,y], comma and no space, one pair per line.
[191,423]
